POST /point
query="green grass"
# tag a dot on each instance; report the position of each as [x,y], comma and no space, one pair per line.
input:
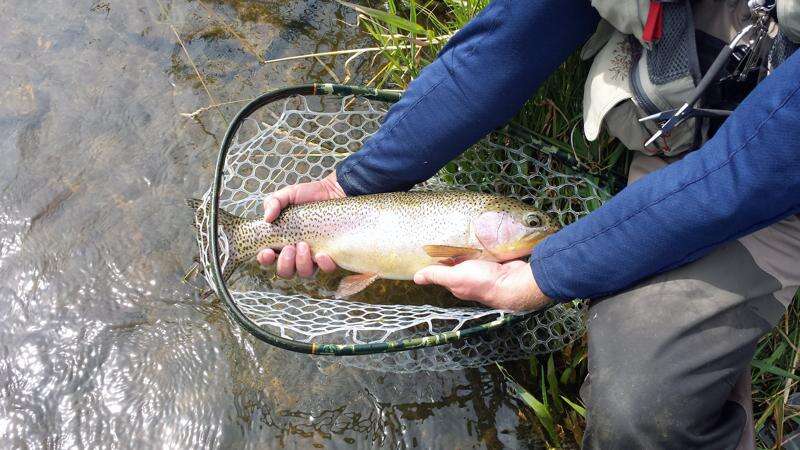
[410,34]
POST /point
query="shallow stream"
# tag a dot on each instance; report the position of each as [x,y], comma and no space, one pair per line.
[101,343]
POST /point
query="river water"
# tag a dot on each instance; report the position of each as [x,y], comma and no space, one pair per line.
[102,345]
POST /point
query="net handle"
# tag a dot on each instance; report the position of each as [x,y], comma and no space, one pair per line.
[275,339]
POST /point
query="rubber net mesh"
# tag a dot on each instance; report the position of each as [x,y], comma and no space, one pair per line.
[301,139]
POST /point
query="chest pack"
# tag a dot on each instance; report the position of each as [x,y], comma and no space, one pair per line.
[650,55]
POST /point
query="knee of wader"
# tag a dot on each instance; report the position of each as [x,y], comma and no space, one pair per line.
[621,412]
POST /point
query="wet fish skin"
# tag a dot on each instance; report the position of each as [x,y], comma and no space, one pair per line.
[393,235]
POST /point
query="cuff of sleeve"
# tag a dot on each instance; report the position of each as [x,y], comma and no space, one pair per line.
[542,278]
[350,186]
[355,179]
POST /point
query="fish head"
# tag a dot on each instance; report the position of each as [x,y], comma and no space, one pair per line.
[511,233]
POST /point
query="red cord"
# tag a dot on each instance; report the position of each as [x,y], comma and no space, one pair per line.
[654,27]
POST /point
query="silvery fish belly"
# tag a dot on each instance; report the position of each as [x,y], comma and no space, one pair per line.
[393,235]
[390,237]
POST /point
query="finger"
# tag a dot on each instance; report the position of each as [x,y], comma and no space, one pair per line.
[286,259]
[325,262]
[272,208]
[266,257]
[441,275]
[278,200]
[305,266]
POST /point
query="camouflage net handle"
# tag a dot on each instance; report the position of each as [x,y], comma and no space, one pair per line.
[562,199]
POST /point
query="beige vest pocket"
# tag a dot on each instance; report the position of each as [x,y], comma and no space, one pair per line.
[608,99]
[607,84]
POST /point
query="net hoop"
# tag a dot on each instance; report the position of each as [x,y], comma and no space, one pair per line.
[317,348]
[301,132]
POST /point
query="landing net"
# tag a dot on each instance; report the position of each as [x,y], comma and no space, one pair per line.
[302,138]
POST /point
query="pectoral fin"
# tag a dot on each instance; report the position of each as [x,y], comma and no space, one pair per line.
[452,255]
[354,284]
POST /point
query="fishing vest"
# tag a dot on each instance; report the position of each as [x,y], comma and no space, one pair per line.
[650,54]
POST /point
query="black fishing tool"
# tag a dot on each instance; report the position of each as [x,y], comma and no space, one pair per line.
[675,117]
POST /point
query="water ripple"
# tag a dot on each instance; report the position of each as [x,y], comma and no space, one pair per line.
[101,346]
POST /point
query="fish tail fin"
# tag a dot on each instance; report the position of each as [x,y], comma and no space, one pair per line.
[226,219]
[228,223]
[194,203]
[196,206]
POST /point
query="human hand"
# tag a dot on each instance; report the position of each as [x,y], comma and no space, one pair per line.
[509,285]
[298,258]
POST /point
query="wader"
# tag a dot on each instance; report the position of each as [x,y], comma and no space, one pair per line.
[669,359]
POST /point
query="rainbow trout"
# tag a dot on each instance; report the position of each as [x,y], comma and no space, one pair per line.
[393,235]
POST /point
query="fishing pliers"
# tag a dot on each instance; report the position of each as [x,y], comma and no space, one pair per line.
[675,117]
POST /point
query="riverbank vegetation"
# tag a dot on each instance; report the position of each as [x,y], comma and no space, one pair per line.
[409,35]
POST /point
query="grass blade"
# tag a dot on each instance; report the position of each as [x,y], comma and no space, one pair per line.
[388,18]
[578,408]
[552,381]
[761,365]
[540,409]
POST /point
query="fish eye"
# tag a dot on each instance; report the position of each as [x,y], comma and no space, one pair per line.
[533,220]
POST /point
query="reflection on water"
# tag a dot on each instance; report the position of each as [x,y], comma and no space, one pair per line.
[101,343]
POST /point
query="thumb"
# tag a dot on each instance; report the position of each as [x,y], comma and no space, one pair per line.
[432,275]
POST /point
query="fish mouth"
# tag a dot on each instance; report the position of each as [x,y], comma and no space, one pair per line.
[534,237]
[520,248]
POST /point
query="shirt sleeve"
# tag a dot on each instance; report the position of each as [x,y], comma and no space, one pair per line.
[745,178]
[478,81]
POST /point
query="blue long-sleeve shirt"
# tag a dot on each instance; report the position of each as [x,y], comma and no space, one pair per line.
[480,79]
[745,178]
